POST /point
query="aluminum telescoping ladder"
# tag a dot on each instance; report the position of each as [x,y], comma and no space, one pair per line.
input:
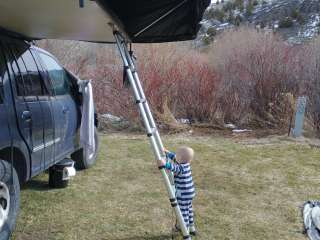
[150,126]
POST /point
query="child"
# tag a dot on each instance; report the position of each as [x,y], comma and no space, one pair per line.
[183,182]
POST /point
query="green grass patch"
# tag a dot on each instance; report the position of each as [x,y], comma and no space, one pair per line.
[244,191]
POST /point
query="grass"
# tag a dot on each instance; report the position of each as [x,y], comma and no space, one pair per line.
[246,189]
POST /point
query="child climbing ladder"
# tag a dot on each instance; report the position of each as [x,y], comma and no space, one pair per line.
[149,123]
[180,165]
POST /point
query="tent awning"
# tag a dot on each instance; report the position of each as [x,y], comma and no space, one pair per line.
[141,20]
[158,20]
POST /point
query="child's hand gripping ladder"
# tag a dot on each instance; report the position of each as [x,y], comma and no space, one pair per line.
[149,123]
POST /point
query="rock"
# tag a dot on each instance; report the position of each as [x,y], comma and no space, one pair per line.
[111,117]
[109,122]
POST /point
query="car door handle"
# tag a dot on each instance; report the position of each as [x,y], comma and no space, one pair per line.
[26,116]
[65,110]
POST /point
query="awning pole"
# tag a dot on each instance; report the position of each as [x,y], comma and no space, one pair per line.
[150,126]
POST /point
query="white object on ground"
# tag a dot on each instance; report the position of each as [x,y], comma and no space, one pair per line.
[111,117]
[241,130]
[184,121]
[87,121]
[230,125]
[311,219]
[315,214]
[68,172]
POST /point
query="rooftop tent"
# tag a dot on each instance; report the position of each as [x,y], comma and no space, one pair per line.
[141,20]
[158,20]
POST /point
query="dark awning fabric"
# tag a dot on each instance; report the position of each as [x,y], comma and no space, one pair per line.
[149,21]
[160,20]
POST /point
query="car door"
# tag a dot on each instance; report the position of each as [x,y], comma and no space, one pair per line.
[45,100]
[29,92]
[64,106]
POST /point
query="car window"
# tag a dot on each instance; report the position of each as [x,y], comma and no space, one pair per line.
[57,75]
[42,71]
[27,77]
[33,75]
[19,79]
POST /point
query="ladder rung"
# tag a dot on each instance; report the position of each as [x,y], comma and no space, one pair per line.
[142,100]
[131,68]
[153,130]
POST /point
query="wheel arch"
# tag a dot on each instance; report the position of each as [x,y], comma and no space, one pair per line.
[19,162]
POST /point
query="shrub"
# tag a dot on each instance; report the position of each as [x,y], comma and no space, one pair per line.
[212,31]
[215,14]
[256,69]
[178,82]
[255,2]
[247,77]
[295,14]
[249,9]
[229,6]
[206,40]
[239,3]
[286,23]
[309,74]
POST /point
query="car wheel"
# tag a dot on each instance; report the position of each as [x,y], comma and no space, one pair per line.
[9,199]
[82,160]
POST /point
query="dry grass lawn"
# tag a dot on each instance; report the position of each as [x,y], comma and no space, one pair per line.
[246,189]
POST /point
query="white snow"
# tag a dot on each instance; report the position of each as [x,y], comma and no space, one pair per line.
[230,125]
[241,130]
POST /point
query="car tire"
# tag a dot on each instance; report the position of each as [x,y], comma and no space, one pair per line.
[80,157]
[9,193]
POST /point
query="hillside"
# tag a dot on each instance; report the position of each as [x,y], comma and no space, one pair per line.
[295,20]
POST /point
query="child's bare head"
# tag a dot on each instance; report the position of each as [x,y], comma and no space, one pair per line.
[185,155]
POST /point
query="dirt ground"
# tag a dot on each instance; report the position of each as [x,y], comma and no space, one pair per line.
[247,188]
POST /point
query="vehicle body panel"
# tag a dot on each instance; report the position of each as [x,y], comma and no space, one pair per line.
[44,127]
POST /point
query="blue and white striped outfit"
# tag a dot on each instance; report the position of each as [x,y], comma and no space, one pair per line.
[185,191]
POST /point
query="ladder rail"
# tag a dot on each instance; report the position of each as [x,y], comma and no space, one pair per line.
[150,125]
[142,111]
[140,89]
[147,108]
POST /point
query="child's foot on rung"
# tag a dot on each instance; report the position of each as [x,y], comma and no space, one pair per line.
[177,228]
[192,230]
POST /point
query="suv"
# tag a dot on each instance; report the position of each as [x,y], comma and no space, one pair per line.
[40,116]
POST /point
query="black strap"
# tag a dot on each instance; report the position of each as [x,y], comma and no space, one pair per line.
[161,167]
[81,3]
[174,204]
[140,101]
[125,78]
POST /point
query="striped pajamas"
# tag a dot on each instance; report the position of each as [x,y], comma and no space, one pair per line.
[185,191]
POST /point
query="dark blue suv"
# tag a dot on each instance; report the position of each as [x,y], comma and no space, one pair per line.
[40,116]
